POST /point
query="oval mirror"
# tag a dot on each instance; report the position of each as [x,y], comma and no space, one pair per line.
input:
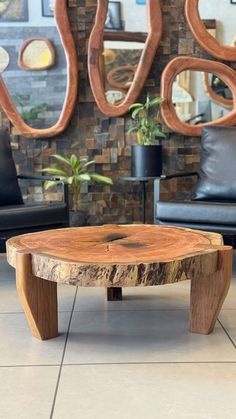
[38,88]
[122,47]
[222,44]
[4,59]
[37,54]
[187,106]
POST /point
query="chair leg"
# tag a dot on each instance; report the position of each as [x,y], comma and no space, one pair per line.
[114,294]
[208,295]
[38,298]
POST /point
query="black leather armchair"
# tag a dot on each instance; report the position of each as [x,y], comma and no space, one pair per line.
[213,203]
[16,217]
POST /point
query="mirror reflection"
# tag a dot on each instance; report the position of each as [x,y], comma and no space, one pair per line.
[38,90]
[224,13]
[120,61]
[218,90]
[124,37]
[194,103]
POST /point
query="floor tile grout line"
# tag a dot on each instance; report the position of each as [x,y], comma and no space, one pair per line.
[132,310]
[29,366]
[148,363]
[22,312]
[141,309]
[62,358]
[119,364]
[115,310]
[227,334]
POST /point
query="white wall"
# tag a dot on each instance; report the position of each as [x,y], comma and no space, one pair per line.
[122,45]
[225,15]
[134,16]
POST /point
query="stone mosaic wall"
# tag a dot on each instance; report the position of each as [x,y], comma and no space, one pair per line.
[106,140]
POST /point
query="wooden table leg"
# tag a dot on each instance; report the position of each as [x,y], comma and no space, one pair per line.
[208,295]
[114,294]
[39,299]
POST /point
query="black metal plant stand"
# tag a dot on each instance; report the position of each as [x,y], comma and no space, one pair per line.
[143,181]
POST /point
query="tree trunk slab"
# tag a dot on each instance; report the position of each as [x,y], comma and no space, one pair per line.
[117,256]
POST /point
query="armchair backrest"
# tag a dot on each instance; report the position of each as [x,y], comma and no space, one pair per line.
[10,193]
[217,174]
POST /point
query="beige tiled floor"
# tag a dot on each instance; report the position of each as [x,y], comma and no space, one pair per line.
[129,360]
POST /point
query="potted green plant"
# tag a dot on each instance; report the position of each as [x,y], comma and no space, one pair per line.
[146,155]
[74,171]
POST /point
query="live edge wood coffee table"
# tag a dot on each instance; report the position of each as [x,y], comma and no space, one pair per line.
[115,256]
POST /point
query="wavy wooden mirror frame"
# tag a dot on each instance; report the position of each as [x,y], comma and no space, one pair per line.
[6,102]
[175,67]
[203,37]
[96,47]
[220,100]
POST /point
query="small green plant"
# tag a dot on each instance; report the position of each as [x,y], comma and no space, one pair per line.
[74,171]
[30,114]
[144,124]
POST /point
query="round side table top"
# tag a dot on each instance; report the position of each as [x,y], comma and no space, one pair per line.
[118,255]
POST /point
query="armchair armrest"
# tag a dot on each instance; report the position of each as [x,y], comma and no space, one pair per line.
[42,178]
[51,178]
[157,182]
[176,175]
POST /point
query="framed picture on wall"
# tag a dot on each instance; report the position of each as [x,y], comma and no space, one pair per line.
[48,8]
[14,11]
[113,20]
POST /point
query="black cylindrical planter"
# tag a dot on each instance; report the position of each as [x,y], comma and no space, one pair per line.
[146,160]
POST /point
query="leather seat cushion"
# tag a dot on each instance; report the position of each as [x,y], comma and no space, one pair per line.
[10,193]
[217,175]
[24,216]
[197,212]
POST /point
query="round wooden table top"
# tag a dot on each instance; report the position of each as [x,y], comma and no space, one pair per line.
[118,255]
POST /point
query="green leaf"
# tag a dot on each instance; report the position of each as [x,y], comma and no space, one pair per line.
[83,177]
[133,129]
[140,138]
[62,159]
[71,179]
[143,121]
[158,133]
[49,184]
[83,159]
[156,101]
[135,105]
[74,161]
[87,163]
[54,171]
[147,101]
[136,112]
[101,179]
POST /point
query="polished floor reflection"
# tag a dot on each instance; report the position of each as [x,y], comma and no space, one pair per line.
[129,360]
